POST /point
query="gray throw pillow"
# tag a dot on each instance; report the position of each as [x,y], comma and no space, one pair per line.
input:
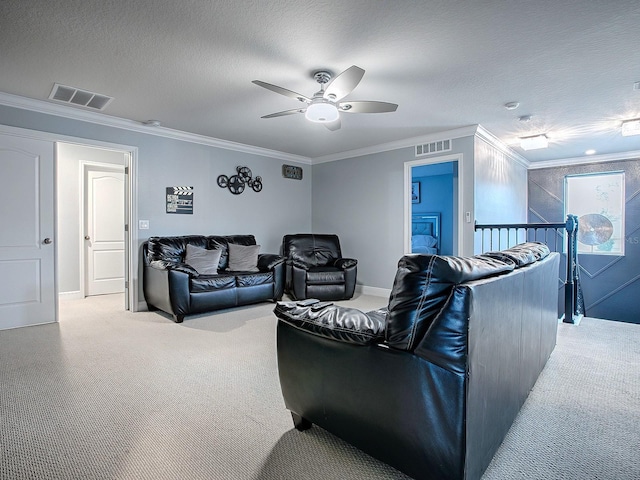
[243,258]
[204,261]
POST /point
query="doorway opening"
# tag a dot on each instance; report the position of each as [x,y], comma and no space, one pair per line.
[93,210]
[432,199]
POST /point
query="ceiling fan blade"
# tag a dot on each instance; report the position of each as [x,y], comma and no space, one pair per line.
[367,107]
[343,84]
[333,126]
[286,112]
[282,91]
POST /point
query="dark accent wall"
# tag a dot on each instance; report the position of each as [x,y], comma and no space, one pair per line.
[611,284]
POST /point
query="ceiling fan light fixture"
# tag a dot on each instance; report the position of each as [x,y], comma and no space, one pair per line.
[630,127]
[322,112]
[534,142]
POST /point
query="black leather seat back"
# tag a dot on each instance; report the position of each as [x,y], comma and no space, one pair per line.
[222,243]
[421,287]
[172,249]
[316,250]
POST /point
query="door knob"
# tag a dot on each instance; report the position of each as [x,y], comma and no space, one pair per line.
[87,237]
[46,241]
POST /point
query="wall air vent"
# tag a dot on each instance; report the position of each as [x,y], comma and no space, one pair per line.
[433,147]
[80,98]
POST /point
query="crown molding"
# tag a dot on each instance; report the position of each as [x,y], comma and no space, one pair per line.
[74,113]
[495,142]
[565,162]
[407,142]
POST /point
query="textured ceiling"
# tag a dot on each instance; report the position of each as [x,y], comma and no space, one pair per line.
[571,64]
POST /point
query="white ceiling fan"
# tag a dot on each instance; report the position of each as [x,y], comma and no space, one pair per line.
[325,106]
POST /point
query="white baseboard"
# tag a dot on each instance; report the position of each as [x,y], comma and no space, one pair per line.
[374,291]
[77,295]
[142,307]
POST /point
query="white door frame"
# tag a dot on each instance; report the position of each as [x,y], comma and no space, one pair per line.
[85,165]
[408,166]
[131,203]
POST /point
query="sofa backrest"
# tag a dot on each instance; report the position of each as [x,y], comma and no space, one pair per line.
[221,242]
[421,287]
[316,250]
[173,249]
[424,283]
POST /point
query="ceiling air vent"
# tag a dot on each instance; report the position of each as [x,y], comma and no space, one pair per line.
[433,147]
[80,98]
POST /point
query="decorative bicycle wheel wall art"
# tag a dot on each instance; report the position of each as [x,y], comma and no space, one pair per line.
[236,183]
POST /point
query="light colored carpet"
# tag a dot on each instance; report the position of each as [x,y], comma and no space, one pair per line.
[108,394]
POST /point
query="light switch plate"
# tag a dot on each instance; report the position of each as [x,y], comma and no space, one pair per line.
[143,224]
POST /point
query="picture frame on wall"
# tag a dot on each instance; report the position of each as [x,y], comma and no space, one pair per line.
[415,192]
[598,200]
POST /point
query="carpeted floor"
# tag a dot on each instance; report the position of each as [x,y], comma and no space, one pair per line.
[108,394]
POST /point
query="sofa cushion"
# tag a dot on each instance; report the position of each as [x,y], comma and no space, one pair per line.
[209,283]
[421,287]
[243,258]
[222,243]
[204,261]
[253,279]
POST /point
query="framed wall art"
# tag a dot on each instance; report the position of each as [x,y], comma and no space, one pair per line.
[415,192]
[598,200]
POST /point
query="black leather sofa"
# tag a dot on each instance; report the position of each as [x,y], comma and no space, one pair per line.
[177,288]
[431,383]
[315,267]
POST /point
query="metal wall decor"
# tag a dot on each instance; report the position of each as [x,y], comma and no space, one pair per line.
[290,171]
[236,183]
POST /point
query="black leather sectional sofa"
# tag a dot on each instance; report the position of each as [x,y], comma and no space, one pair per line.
[431,383]
[177,288]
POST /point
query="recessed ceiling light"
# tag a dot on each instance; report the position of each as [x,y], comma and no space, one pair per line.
[631,127]
[636,86]
[534,142]
[152,123]
[525,118]
[511,105]
[591,151]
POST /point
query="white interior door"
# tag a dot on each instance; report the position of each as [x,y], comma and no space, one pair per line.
[104,236]
[27,253]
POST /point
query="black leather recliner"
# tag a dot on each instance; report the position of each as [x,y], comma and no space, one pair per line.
[315,267]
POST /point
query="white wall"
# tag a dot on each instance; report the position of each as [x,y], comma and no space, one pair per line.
[500,188]
[361,199]
[283,206]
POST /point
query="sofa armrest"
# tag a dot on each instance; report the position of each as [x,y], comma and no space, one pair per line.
[299,264]
[269,261]
[345,263]
[166,288]
[347,325]
[177,267]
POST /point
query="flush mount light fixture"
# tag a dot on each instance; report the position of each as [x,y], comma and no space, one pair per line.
[534,142]
[511,105]
[322,112]
[591,151]
[630,127]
